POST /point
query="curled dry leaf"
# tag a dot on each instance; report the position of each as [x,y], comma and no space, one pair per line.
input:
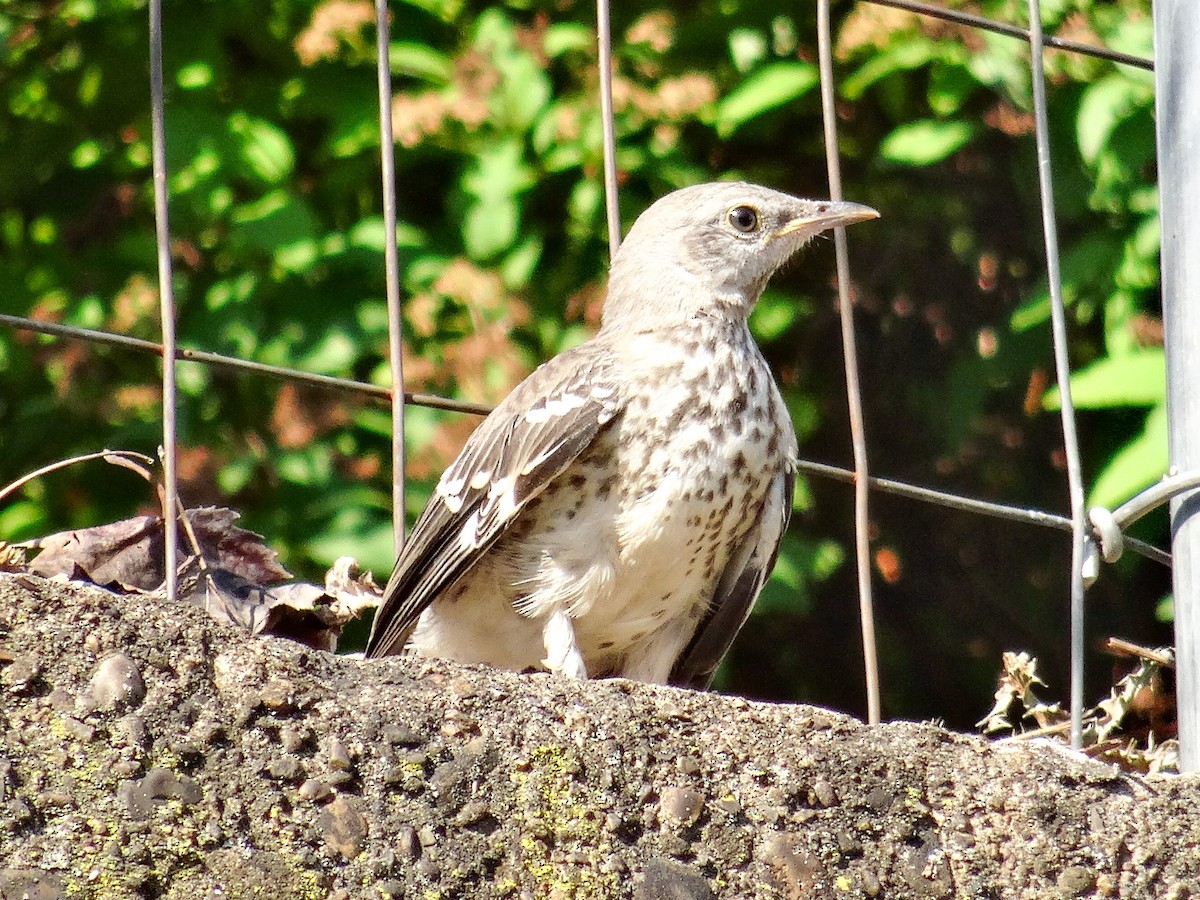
[298,611]
[225,569]
[128,555]
[1015,692]
[352,589]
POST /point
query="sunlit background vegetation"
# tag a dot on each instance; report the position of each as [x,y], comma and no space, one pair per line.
[277,237]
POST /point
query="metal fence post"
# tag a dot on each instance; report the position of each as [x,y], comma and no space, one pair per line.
[1177,85]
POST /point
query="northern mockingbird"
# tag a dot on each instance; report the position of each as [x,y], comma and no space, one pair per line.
[618,513]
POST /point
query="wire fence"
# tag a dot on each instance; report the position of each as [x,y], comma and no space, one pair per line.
[1097,534]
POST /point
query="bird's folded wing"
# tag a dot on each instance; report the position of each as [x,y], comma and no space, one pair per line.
[539,429]
[740,584]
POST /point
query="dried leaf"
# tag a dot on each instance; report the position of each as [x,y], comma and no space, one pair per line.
[1125,695]
[1133,727]
[236,549]
[301,613]
[1016,687]
[352,589]
[12,558]
[128,555]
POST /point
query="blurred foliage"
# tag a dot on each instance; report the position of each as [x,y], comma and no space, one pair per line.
[273,152]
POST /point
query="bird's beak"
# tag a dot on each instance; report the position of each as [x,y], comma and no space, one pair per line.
[826,215]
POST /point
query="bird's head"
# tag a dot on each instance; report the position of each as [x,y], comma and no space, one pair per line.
[710,249]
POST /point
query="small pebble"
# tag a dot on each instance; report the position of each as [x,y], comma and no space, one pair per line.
[823,792]
[680,806]
[407,844]
[339,756]
[344,827]
[19,674]
[402,735]
[130,731]
[117,683]
[278,695]
[315,789]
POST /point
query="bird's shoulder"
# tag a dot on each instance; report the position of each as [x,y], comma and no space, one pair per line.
[574,393]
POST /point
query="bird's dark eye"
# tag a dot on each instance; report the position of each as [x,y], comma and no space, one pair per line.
[744,218]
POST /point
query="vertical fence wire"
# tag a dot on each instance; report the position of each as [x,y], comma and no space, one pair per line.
[858,437]
[1177,100]
[166,295]
[1062,366]
[605,60]
[387,158]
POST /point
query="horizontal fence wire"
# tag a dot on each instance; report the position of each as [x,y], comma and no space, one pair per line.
[1007,28]
[1134,509]
[219,360]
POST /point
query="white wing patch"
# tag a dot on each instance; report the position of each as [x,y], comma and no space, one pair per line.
[506,504]
[450,490]
[541,458]
[554,407]
[469,536]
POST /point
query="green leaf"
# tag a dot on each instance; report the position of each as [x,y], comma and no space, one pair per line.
[1139,264]
[420,61]
[1164,611]
[799,564]
[499,175]
[770,87]
[265,150]
[334,352]
[499,172]
[446,10]
[281,224]
[901,56]
[925,141]
[371,545]
[1089,261]
[194,76]
[563,37]
[1104,105]
[773,315]
[949,88]
[369,234]
[519,266]
[1136,379]
[1133,35]
[490,227]
[524,88]
[1120,312]
[1136,466]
